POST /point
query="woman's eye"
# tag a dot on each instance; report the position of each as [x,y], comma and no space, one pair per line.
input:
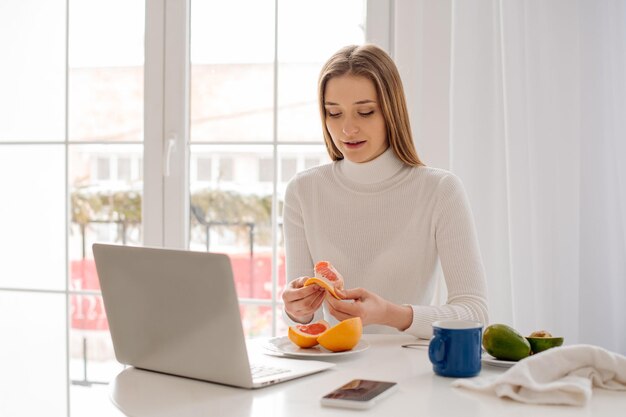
[334,114]
[365,114]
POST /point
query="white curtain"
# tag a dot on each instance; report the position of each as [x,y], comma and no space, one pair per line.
[536,129]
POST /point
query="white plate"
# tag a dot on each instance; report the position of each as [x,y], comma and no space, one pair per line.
[286,347]
[490,360]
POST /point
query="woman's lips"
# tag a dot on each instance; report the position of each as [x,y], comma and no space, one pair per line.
[354,144]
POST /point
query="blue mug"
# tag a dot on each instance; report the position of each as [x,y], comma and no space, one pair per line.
[455,349]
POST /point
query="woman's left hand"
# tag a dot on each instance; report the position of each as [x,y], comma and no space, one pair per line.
[373,309]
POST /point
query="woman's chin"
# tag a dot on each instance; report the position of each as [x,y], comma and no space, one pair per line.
[357,156]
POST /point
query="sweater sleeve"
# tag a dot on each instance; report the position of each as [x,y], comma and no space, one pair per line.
[298,258]
[461,262]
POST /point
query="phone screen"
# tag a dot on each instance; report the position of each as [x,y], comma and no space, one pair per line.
[360,390]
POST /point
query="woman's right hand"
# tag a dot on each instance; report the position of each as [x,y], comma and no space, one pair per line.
[302,302]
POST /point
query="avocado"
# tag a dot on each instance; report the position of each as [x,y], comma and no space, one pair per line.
[540,333]
[504,342]
[539,344]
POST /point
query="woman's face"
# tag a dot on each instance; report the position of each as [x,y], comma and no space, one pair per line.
[354,118]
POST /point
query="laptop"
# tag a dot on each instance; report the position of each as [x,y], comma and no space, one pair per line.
[177,312]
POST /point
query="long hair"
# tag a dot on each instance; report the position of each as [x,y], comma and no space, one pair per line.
[372,62]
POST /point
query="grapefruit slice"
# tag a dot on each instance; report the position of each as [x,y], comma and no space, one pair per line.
[342,336]
[327,277]
[305,335]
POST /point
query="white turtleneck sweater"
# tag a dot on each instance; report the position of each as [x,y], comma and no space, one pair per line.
[389,228]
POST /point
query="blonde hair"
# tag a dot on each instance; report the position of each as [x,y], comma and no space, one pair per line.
[372,62]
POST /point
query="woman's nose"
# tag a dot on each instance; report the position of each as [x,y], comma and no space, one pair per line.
[349,127]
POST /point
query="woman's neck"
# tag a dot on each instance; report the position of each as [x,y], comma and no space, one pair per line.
[379,169]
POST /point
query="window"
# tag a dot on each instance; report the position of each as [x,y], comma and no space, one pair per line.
[288,168]
[204,167]
[103,168]
[73,92]
[227,169]
[72,153]
[266,169]
[124,169]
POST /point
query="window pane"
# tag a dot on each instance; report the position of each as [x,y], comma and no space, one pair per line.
[104,208]
[32,216]
[106,104]
[236,31]
[232,214]
[106,54]
[92,358]
[32,73]
[321,26]
[33,354]
[298,113]
[232,73]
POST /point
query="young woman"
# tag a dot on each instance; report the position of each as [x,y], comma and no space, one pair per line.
[383,219]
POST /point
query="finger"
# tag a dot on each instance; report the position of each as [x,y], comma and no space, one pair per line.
[353,293]
[318,300]
[344,307]
[341,293]
[304,312]
[339,315]
[300,308]
[296,294]
[306,305]
[298,282]
[311,308]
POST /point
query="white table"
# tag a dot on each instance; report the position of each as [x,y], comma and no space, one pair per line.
[421,393]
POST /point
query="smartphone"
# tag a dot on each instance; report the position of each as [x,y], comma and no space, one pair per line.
[359,393]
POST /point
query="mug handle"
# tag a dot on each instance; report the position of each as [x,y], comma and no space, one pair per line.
[437,350]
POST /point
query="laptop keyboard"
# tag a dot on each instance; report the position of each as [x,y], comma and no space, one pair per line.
[260,371]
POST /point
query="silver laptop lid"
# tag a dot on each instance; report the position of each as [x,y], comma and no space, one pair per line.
[174,311]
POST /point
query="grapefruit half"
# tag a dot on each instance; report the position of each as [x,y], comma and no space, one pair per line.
[342,336]
[305,335]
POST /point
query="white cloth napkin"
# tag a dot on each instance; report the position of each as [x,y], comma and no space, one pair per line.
[563,375]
